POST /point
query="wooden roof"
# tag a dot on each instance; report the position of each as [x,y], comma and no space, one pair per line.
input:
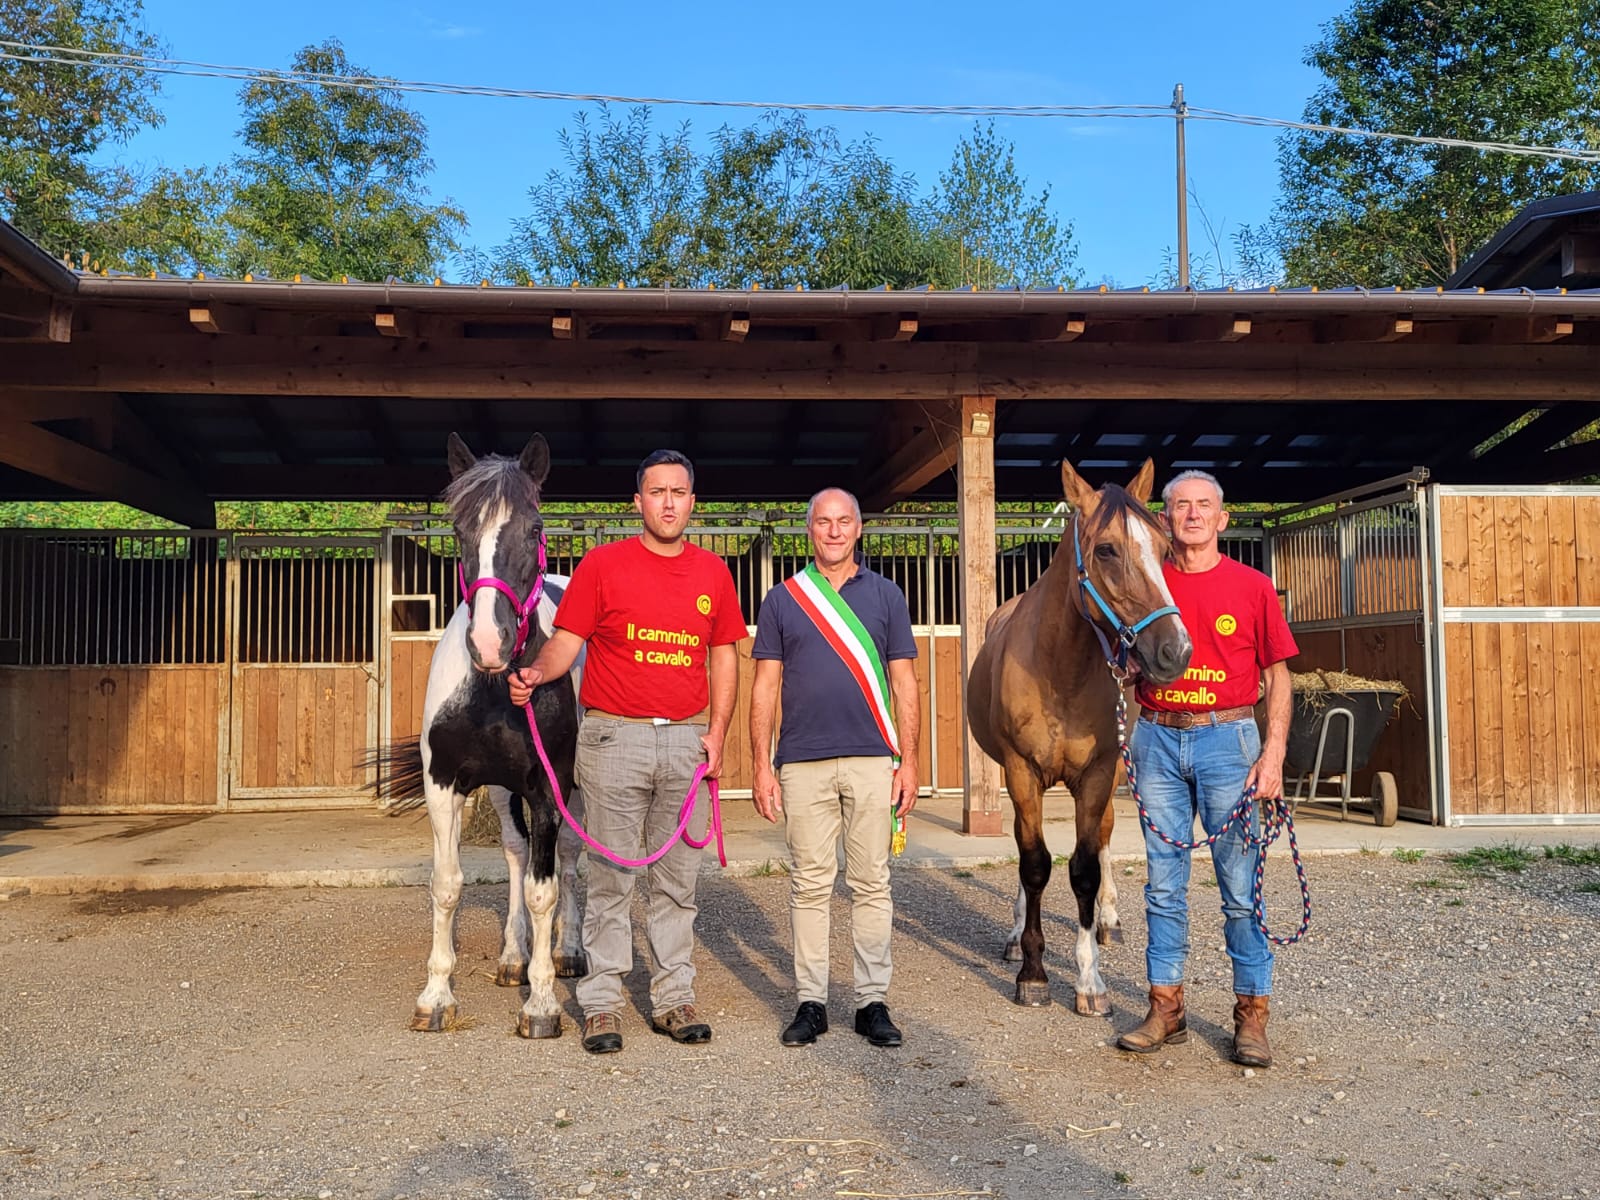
[172,393]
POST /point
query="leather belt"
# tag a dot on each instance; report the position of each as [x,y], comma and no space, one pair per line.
[703,717]
[1188,720]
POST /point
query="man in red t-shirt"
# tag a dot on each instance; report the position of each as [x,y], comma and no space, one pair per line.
[1196,750]
[661,620]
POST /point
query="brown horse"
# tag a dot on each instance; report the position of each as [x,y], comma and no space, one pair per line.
[1042,704]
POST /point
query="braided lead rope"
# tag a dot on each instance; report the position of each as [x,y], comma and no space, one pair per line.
[1275,821]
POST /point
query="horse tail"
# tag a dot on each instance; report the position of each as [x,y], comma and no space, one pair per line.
[397,773]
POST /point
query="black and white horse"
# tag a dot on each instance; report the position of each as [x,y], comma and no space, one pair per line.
[473,736]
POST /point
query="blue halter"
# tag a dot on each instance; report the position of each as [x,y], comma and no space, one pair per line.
[1126,634]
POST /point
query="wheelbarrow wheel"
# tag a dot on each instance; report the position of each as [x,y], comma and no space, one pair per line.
[1385,799]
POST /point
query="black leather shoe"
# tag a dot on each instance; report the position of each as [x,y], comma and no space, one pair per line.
[810,1020]
[872,1023]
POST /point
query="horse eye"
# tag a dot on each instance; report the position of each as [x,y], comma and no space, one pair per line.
[1105,553]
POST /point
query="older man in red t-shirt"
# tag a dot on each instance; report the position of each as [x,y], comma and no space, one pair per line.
[1196,750]
[661,619]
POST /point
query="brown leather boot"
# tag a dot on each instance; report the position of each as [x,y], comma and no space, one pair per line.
[1163,1026]
[1250,1047]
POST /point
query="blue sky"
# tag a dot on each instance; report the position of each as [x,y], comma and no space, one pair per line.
[1113,179]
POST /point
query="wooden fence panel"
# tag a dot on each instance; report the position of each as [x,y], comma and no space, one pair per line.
[309,728]
[109,739]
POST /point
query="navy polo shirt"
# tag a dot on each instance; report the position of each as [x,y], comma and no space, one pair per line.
[824,713]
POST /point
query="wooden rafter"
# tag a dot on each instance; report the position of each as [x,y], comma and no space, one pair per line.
[787,370]
[929,454]
[96,473]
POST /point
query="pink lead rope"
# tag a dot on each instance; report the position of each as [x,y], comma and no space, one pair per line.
[713,825]
[524,610]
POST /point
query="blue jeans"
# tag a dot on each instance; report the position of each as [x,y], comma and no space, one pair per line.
[1183,773]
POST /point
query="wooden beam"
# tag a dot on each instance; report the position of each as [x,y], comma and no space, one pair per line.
[929,454]
[1057,329]
[213,317]
[31,317]
[393,322]
[734,327]
[1210,329]
[34,406]
[273,429]
[74,465]
[1365,329]
[895,329]
[563,326]
[851,373]
[1528,444]
[975,493]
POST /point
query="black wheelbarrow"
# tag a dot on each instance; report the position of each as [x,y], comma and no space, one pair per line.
[1331,736]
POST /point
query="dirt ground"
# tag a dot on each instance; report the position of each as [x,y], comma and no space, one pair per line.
[1435,1035]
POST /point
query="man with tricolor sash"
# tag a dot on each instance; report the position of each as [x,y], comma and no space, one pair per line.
[837,638]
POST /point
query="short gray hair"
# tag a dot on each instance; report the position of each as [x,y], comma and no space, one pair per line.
[1185,477]
[811,505]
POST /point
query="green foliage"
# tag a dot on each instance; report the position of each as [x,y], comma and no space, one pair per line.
[1376,212]
[1507,856]
[1409,855]
[330,181]
[55,118]
[779,204]
[1002,236]
[1573,856]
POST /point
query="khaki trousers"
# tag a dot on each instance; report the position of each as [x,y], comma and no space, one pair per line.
[821,801]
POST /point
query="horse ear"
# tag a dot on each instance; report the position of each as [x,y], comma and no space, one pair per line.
[1077,492]
[535,458]
[458,456]
[1139,489]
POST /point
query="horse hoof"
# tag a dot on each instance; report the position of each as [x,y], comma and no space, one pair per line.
[433,1020]
[570,966]
[1033,993]
[539,1027]
[511,976]
[1106,936]
[1092,1004]
[1013,952]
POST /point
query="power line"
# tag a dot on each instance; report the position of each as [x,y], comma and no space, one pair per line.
[24,52]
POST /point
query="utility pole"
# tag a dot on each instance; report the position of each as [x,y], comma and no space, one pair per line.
[1181,107]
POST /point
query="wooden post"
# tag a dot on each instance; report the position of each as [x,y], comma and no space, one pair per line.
[980,809]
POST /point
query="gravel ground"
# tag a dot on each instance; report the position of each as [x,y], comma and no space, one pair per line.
[1435,1035]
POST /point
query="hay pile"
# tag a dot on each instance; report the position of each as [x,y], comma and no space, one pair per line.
[1342,681]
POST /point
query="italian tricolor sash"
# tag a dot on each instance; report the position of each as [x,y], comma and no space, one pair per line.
[849,639]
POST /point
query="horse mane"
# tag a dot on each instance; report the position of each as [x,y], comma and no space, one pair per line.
[1116,502]
[478,491]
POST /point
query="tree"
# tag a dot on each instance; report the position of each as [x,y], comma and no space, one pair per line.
[778,204]
[56,118]
[331,180]
[1376,212]
[1003,237]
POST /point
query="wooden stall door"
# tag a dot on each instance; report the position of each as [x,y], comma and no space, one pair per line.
[1519,594]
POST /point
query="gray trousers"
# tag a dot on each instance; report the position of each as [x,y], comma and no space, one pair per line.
[634,779]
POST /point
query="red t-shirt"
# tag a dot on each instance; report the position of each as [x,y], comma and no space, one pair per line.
[650,622]
[1236,623]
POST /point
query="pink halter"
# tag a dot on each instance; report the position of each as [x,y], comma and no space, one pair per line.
[524,610]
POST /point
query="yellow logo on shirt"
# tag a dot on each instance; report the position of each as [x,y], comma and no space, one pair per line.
[704,605]
[1226,624]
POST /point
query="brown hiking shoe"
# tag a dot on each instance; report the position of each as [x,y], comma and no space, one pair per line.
[1163,1026]
[602,1033]
[1250,1047]
[681,1024]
